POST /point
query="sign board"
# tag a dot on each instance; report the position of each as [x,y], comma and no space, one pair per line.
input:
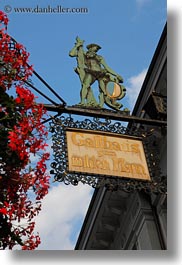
[103,153]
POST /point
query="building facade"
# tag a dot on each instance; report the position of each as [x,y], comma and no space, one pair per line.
[119,220]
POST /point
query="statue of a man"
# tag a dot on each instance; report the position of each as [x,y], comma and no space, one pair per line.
[93,67]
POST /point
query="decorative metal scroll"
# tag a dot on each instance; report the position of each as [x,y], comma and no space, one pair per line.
[58,127]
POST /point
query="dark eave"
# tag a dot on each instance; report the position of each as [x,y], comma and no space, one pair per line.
[150,70]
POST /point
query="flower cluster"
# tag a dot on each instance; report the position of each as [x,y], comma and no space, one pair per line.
[22,135]
[13,58]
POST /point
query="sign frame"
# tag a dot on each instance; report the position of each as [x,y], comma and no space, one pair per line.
[70,169]
[60,125]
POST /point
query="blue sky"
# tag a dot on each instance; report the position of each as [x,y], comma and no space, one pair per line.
[128,32]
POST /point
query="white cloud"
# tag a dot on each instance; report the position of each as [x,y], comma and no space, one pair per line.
[62,209]
[134,86]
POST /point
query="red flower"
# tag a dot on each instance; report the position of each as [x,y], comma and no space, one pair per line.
[3,18]
[3,211]
[26,135]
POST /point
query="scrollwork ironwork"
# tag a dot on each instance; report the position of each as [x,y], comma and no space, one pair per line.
[58,126]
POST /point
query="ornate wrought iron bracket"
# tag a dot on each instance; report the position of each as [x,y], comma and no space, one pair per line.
[58,127]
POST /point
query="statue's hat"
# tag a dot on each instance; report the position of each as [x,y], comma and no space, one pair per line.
[93,45]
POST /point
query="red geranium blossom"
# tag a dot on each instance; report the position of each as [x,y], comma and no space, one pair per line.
[22,134]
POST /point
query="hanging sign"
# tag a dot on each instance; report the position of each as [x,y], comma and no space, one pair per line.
[103,153]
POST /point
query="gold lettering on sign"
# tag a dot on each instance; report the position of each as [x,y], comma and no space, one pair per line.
[106,154]
[89,162]
[102,142]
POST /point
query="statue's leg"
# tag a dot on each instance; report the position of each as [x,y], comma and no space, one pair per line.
[88,80]
[91,98]
[102,93]
[102,86]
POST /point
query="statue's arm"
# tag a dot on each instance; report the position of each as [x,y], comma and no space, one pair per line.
[109,70]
